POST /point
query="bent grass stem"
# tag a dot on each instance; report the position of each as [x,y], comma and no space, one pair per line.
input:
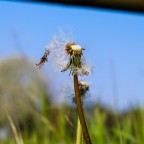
[79,132]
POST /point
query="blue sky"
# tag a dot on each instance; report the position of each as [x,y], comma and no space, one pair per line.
[114,43]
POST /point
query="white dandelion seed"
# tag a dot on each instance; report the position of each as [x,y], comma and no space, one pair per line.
[84,70]
[57,49]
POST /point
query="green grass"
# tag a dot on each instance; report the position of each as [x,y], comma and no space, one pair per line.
[57,125]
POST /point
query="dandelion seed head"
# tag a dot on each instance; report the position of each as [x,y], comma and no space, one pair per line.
[66,55]
[67,91]
[83,88]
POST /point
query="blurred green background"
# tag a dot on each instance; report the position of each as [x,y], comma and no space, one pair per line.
[25,98]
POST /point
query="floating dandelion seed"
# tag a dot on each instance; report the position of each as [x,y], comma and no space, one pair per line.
[43,58]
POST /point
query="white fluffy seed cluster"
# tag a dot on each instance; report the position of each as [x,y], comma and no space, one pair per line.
[83,89]
[60,57]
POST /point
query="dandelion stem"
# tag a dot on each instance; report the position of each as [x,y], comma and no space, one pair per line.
[80,111]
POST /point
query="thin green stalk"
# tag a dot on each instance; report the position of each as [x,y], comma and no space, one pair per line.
[79,132]
[17,135]
[80,111]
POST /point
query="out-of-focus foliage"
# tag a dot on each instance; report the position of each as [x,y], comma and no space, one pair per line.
[23,95]
[57,125]
[20,87]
